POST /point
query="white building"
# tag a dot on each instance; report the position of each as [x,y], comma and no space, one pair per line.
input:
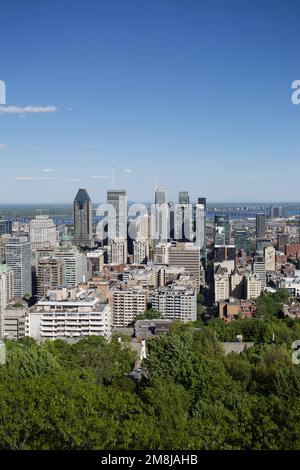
[43,232]
[259,268]
[76,316]
[127,304]
[221,284]
[6,292]
[140,251]
[18,257]
[176,303]
[117,251]
[292,284]
[200,229]
[161,254]
[253,286]
[270,258]
[75,266]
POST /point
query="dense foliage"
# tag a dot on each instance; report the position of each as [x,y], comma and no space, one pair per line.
[80,396]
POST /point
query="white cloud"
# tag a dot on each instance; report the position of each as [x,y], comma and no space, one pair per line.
[47,170]
[35,178]
[26,178]
[73,180]
[3,147]
[100,177]
[127,170]
[27,109]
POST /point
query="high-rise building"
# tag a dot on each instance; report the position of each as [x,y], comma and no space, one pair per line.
[270,258]
[161,255]
[140,251]
[50,274]
[184,218]
[260,225]
[282,240]
[276,212]
[42,232]
[117,251]
[117,225]
[253,286]
[75,266]
[5,226]
[117,219]
[237,285]
[161,216]
[224,253]
[127,304]
[68,315]
[262,243]
[221,284]
[186,255]
[200,220]
[3,240]
[242,240]
[183,197]
[6,292]
[95,262]
[82,206]
[18,257]
[176,303]
[259,269]
[222,230]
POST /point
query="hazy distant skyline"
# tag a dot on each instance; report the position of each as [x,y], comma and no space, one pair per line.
[192,94]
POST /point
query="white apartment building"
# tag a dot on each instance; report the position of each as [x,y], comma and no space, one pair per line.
[270,258]
[77,315]
[75,265]
[43,232]
[176,303]
[259,268]
[127,304]
[222,285]
[6,292]
[140,251]
[18,257]
[253,286]
[117,251]
[292,284]
[161,254]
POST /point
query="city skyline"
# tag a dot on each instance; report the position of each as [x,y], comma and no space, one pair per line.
[194,95]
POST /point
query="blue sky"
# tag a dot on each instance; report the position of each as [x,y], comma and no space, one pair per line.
[196,92]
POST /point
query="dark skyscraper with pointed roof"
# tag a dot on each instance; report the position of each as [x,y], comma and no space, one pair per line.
[83,235]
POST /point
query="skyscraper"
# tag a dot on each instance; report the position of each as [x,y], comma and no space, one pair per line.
[83,235]
[222,229]
[50,274]
[117,225]
[42,232]
[183,197]
[260,225]
[18,257]
[184,218]
[200,219]
[242,240]
[5,226]
[161,216]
